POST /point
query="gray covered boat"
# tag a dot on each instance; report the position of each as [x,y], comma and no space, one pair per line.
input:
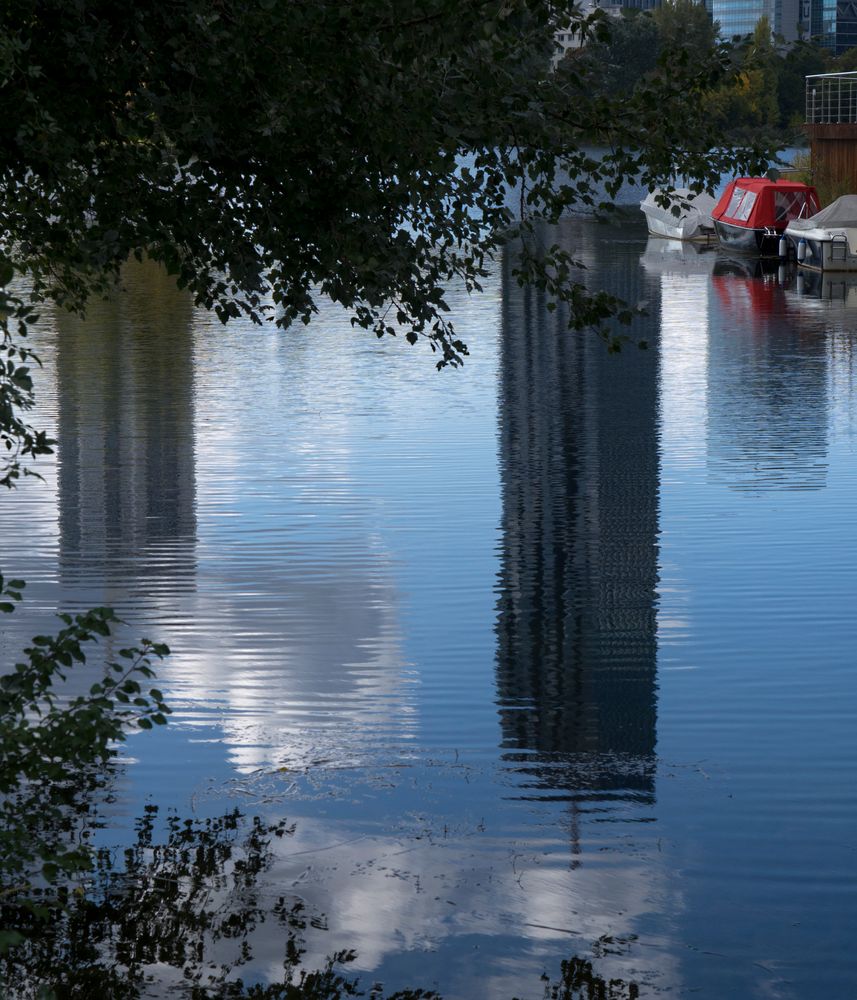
[691,222]
[827,240]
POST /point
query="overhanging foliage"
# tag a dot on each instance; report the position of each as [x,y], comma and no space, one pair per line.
[270,152]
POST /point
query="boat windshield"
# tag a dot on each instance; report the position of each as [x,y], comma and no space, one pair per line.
[790,205]
[741,204]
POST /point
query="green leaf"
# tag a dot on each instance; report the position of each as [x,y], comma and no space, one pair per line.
[9,939]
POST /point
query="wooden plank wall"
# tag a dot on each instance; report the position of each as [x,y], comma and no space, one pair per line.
[834,154]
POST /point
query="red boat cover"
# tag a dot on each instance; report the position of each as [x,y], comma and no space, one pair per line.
[757,203]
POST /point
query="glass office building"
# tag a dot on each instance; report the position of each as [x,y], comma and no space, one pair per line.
[846,25]
[830,23]
[740,17]
[819,18]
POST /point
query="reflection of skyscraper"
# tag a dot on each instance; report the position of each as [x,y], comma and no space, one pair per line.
[576,626]
[126,445]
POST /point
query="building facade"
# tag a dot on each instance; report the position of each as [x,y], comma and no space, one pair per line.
[831,23]
[740,17]
[846,25]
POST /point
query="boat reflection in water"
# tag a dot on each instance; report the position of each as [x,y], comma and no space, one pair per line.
[665,256]
[826,286]
[767,414]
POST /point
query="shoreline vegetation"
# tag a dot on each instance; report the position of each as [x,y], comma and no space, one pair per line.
[760,100]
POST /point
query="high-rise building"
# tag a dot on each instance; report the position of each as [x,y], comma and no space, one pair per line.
[818,18]
[830,23]
[846,25]
[740,17]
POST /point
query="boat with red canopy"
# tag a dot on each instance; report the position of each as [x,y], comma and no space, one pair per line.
[753,212]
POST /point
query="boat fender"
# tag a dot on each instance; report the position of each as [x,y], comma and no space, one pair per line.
[783,247]
[801,249]
[799,283]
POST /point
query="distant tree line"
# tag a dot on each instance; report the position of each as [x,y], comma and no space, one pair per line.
[762,99]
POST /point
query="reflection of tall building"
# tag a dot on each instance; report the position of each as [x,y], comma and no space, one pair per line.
[767,385]
[125,440]
[579,455]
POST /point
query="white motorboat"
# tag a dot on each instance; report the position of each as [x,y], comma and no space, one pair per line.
[827,240]
[687,216]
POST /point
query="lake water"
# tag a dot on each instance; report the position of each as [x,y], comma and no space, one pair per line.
[552,656]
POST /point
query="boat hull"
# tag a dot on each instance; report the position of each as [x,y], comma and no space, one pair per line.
[744,239]
[825,250]
[686,231]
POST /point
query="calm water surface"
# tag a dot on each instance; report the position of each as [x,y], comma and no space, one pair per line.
[552,656]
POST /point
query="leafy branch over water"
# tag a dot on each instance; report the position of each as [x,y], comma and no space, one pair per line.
[55,754]
[18,440]
[375,153]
